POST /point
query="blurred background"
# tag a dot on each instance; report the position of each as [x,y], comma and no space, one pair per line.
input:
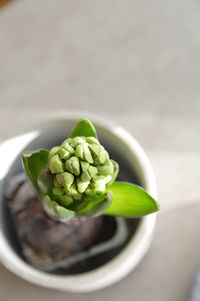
[136,63]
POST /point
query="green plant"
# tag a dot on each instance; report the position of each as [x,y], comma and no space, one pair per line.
[78,178]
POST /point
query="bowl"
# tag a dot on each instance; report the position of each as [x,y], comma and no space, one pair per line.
[134,166]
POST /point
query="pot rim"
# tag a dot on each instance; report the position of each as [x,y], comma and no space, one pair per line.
[128,258]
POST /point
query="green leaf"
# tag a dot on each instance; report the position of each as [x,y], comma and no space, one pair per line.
[130,200]
[35,164]
[55,211]
[84,128]
[96,205]
[115,173]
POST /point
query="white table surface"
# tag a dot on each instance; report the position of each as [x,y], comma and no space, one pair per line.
[137,63]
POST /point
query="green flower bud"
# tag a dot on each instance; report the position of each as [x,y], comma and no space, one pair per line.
[107,169]
[92,171]
[67,147]
[85,176]
[65,179]
[91,140]
[82,185]
[95,149]
[53,151]
[63,153]
[79,151]
[87,154]
[81,168]
[56,183]
[72,191]
[99,183]
[57,191]
[65,200]
[85,165]
[101,156]
[73,166]
[56,165]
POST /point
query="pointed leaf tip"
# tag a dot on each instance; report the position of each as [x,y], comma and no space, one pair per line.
[130,200]
[84,128]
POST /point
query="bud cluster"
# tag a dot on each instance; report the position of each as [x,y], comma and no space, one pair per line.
[80,167]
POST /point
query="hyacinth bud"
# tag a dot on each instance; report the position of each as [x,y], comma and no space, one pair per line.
[80,167]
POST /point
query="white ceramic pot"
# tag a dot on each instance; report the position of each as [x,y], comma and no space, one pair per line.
[127,147]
